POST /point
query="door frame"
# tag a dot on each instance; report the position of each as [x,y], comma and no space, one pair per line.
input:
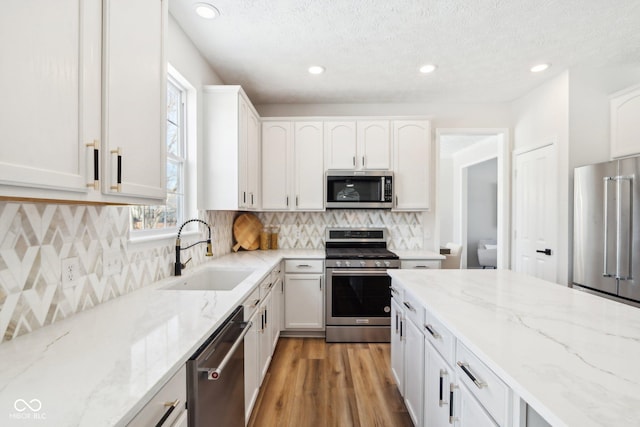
[504,189]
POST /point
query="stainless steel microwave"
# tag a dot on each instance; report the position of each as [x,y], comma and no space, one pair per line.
[359,190]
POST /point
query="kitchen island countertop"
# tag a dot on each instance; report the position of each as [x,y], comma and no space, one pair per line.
[572,356]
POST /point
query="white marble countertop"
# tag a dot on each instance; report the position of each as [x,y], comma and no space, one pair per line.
[99,367]
[572,356]
[405,254]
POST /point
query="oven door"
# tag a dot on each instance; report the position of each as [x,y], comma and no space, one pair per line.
[358,297]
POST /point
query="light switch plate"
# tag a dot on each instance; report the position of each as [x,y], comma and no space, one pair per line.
[70,272]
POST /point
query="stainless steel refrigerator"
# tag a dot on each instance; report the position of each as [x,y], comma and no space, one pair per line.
[606,229]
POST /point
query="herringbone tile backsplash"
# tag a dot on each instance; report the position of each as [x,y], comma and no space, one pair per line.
[36,237]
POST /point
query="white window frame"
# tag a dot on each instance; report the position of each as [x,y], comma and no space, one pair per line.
[190,171]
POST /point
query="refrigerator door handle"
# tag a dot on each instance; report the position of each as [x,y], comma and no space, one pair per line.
[623,229]
[605,259]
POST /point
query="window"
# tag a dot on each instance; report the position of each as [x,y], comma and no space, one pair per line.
[164,219]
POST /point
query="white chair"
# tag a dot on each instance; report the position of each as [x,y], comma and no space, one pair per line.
[488,253]
[453,259]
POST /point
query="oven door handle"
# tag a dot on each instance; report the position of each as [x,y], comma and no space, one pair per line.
[352,272]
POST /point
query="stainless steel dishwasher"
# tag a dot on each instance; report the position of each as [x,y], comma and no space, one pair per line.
[215,376]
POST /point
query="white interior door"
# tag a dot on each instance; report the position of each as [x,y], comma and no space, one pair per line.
[535,216]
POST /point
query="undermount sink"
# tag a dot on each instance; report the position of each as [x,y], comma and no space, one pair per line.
[211,279]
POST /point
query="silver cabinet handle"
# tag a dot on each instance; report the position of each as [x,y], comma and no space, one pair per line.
[409,306]
[362,161]
[214,374]
[432,331]
[96,164]
[452,419]
[354,160]
[441,401]
[171,406]
[303,266]
[467,370]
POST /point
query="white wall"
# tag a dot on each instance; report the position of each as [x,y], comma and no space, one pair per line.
[539,118]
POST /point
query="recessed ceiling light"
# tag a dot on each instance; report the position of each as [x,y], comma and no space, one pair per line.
[427,68]
[540,67]
[316,69]
[206,10]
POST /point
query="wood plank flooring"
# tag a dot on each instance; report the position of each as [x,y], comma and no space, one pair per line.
[313,383]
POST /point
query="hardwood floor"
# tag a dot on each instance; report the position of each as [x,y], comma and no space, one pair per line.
[313,383]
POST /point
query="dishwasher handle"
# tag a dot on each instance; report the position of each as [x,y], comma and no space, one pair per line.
[214,374]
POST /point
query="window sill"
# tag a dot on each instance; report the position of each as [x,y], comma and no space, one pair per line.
[160,239]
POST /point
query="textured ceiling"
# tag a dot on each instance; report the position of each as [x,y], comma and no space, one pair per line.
[373,48]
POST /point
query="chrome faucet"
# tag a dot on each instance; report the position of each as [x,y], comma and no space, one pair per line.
[179,265]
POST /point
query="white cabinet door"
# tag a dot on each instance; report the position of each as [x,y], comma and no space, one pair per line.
[50,86]
[397,345]
[340,144]
[265,343]
[134,115]
[276,143]
[438,377]
[625,122]
[304,301]
[308,166]
[414,372]
[471,413]
[412,164]
[252,163]
[374,145]
[251,364]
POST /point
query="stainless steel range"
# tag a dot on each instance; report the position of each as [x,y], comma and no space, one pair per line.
[358,298]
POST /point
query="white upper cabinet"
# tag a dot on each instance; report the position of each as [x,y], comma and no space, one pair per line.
[229,168]
[308,154]
[292,166]
[412,164]
[357,145]
[374,145]
[276,165]
[84,76]
[625,122]
[134,98]
[41,83]
[340,144]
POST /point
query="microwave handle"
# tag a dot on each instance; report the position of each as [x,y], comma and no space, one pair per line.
[382,179]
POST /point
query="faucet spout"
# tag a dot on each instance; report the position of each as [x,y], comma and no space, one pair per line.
[178,266]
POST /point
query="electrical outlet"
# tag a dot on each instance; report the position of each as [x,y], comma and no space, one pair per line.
[111,263]
[70,272]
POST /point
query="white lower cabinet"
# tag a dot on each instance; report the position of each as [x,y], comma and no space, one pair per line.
[442,382]
[265,342]
[304,294]
[471,412]
[251,352]
[414,371]
[169,401]
[397,347]
[439,378]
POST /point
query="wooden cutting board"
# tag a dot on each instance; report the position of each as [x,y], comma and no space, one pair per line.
[246,232]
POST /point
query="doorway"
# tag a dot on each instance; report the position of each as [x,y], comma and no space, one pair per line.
[462,156]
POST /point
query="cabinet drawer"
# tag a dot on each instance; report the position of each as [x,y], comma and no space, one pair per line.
[251,304]
[304,266]
[490,391]
[174,390]
[413,309]
[440,337]
[420,264]
[266,285]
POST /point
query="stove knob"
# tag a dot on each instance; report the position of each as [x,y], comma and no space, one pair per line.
[338,263]
[347,263]
[363,263]
[387,264]
[378,264]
